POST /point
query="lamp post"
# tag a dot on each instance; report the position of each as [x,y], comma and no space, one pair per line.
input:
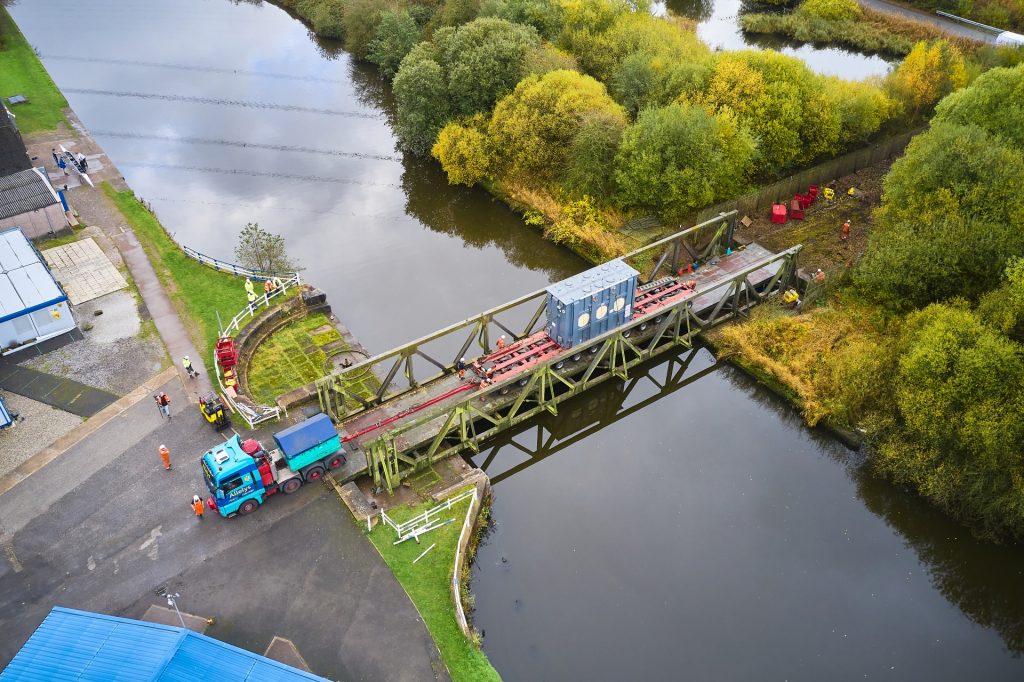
[171,602]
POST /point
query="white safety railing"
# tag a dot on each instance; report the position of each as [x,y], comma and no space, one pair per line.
[254,413]
[427,521]
[234,268]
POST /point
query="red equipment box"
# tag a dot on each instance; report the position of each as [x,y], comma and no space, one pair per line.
[227,354]
[779,214]
[796,210]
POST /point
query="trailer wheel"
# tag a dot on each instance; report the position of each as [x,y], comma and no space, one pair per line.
[248,507]
[335,461]
[291,485]
[576,357]
[314,473]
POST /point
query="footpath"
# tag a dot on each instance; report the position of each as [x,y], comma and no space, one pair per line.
[94,208]
[948,25]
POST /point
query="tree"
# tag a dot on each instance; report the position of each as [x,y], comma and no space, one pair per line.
[533,128]
[462,151]
[995,102]
[261,250]
[396,35]
[421,94]
[544,15]
[590,163]
[680,157]
[961,419]
[484,60]
[634,82]
[1003,308]
[926,75]
[360,19]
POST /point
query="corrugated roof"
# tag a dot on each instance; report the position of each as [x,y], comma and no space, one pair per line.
[90,647]
[25,283]
[25,191]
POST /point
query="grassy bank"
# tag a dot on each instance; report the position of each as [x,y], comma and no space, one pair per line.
[292,357]
[198,292]
[872,32]
[21,73]
[427,583]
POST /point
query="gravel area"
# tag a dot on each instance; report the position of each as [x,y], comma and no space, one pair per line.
[118,353]
[40,425]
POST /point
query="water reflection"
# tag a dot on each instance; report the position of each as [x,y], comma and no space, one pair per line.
[717,25]
[647,528]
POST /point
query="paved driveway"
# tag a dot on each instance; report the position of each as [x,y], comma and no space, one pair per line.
[103,527]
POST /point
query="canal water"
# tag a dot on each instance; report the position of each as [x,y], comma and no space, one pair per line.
[680,525]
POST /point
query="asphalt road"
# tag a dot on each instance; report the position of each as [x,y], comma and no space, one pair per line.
[103,527]
[948,25]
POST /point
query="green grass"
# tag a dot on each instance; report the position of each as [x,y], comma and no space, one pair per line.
[54,242]
[21,73]
[290,358]
[198,292]
[427,583]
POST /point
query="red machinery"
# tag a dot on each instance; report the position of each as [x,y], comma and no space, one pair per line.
[227,354]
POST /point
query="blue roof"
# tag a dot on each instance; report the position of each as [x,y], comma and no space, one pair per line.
[592,281]
[81,646]
[305,435]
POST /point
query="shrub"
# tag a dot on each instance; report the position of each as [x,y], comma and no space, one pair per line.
[360,19]
[421,96]
[831,10]
[995,102]
[462,152]
[926,75]
[533,128]
[680,157]
[396,35]
[590,164]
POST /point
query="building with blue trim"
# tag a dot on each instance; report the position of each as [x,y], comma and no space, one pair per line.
[33,306]
[80,646]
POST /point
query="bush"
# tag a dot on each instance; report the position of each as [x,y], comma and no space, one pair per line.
[994,102]
[961,419]
[421,95]
[831,10]
[462,152]
[926,75]
[680,157]
[360,19]
[590,163]
[396,35]
[533,128]
[484,60]
[1003,308]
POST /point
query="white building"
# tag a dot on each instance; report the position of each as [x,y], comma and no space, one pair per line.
[33,307]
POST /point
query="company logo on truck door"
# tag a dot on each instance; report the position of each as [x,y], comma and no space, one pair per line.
[239,485]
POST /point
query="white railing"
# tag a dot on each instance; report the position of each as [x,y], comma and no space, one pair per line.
[427,521]
[234,268]
[253,414]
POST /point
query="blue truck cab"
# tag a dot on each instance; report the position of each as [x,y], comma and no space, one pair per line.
[241,475]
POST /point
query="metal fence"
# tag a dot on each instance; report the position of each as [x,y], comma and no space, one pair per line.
[427,521]
[234,268]
[254,413]
[783,190]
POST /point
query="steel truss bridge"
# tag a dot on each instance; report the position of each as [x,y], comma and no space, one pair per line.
[411,422]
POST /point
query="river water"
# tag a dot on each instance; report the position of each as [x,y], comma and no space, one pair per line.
[680,525]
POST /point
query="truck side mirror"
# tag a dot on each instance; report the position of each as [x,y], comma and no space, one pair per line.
[220,494]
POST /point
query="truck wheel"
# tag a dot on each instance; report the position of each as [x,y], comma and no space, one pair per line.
[314,473]
[291,485]
[248,507]
[335,461]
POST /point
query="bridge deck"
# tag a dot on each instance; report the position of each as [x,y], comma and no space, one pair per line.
[519,357]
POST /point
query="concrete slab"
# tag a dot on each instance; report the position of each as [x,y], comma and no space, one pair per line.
[284,651]
[64,394]
[84,270]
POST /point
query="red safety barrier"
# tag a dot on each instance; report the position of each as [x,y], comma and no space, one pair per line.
[779,214]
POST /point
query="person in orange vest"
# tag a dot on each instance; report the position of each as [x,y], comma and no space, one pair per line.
[197,506]
[165,455]
[846,231]
[501,342]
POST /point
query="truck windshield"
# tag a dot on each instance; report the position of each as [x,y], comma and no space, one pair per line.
[208,477]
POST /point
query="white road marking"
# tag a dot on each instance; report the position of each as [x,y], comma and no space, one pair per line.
[153,535]
[91,564]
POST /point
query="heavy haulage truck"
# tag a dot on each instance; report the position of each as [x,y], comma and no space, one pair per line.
[241,475]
